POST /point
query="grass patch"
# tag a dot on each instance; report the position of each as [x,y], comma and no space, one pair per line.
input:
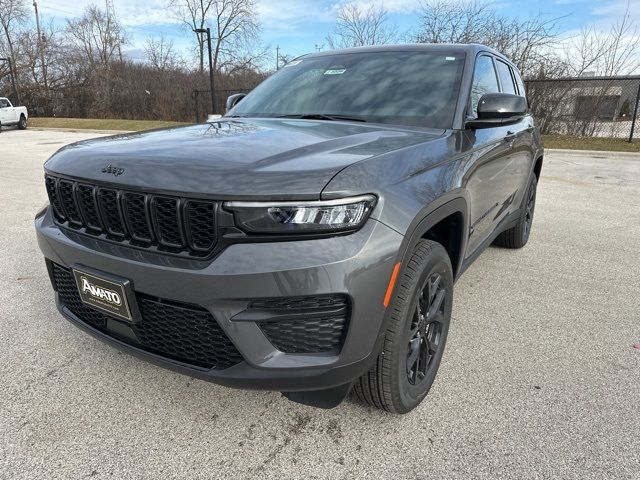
[100,124]
[591,143]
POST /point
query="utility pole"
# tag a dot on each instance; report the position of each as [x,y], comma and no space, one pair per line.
[213,92]
[111,17]
[635,115]
[41,47]
[278,57]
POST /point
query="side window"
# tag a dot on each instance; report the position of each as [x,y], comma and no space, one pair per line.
[484,81]
[506,81]
[3,103]
[521,88]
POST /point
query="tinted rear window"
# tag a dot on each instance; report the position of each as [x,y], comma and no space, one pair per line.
[506,81]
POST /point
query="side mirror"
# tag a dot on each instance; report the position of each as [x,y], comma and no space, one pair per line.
[232,100]
[495,109]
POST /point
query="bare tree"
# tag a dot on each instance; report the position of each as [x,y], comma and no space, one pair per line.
[13,14]
[358,27]
[98,36]
[528,43]
[234,28]
[96,39]
[194,14]
[447,21]
[160,53]
[607,53]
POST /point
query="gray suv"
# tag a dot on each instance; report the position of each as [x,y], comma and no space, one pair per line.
[308,241]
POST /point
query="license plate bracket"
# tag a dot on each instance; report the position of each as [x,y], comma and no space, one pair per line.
[108,293]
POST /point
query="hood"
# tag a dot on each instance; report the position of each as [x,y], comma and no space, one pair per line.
[235,158]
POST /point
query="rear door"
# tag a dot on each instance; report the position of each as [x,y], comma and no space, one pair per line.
[522,148]
[4,110]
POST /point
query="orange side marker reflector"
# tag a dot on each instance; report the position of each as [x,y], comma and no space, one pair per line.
[392,282]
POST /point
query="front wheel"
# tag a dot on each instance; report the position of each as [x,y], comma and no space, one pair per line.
[22,124]
[420,313]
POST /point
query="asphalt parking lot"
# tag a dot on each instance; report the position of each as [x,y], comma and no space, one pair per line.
[540,378]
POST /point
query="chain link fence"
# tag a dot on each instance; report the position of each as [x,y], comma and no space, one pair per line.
[604,107]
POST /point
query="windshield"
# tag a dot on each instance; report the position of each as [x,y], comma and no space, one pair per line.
[405,87]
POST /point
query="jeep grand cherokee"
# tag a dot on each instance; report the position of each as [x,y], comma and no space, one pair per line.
[308,241]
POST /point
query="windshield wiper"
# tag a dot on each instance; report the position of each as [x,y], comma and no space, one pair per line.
[322,116]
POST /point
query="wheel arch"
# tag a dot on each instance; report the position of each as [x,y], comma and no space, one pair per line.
[537,167]
[446,224]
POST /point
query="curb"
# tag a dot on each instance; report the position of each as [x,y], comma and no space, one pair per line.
[79,130]
[568,151]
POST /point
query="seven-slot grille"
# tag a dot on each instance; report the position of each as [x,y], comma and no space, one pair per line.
[159,222]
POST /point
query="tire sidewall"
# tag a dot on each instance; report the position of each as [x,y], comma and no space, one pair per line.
[533,185]
[405,395]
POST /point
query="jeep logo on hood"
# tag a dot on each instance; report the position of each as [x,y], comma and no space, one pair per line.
[101,293]
[113,170]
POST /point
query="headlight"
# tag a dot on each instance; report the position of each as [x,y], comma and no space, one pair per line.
[302,217]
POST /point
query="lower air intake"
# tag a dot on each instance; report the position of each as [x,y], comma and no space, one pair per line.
[183,332]
[315,324]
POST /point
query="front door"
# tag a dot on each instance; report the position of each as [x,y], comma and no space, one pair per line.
[501,159]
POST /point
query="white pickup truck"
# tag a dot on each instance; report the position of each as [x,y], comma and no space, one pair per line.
[10,115]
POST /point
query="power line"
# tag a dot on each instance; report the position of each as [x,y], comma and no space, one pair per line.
[58,9]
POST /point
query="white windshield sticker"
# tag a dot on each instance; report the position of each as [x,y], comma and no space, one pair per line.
[335,72]
[450,59]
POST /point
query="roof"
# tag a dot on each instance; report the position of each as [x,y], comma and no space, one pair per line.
[470,48]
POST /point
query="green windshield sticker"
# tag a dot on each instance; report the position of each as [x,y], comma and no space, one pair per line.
[335,72]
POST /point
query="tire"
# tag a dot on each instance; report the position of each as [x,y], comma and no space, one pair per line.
[22,124]
[395,383]
[518,235]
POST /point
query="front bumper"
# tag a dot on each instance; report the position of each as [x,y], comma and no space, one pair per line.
[358,265]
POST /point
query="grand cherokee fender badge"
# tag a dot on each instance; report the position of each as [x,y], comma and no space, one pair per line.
[113,170]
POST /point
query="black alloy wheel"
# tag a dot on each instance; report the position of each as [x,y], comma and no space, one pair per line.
[425,333]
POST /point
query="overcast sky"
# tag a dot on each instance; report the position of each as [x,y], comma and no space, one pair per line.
[298,26]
